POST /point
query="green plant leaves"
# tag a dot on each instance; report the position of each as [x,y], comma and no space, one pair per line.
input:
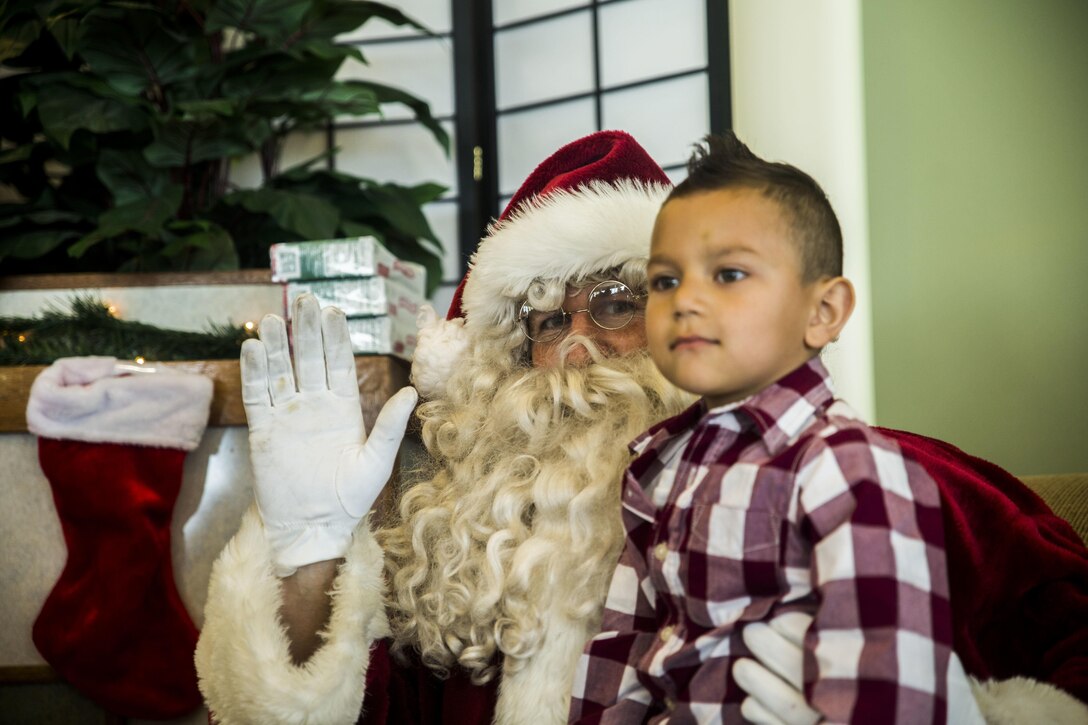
[134,53]
[121,124]
[275,19]
[145,217]
[68,109]
[18,37]
[181,143]
[34,243]
[309,216]
[202,244]
[388,94]
[131,179]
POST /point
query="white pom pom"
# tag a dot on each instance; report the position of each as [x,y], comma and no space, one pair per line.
[440,344]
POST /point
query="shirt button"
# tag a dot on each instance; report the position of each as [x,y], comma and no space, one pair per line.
[670,704]
[666,633]
[661,551]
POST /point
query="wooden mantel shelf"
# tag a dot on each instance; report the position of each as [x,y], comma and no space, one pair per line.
[379,377]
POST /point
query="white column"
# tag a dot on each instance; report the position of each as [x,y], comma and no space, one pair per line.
[797,97]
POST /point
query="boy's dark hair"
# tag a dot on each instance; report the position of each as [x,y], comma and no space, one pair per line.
[724,162]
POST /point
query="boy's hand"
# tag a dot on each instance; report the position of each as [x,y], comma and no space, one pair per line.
[316,473]
[774,680]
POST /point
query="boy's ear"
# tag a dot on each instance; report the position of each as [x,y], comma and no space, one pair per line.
[833,303]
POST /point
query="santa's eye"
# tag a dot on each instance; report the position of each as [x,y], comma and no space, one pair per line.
[547,321]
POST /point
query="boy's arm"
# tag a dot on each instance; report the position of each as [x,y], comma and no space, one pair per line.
[880,645]
[605,684]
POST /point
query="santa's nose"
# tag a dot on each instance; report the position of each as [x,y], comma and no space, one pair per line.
[578,356]
[582,324]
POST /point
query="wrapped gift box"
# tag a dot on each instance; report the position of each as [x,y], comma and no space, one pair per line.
[338,258]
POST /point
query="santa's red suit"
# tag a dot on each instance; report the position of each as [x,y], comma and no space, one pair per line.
[497,572]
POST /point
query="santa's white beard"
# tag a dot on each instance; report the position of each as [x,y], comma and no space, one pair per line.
[522,513]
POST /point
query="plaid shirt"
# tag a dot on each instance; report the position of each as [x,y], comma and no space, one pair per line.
[783,502]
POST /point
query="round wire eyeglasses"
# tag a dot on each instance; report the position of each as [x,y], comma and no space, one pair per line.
[612,305]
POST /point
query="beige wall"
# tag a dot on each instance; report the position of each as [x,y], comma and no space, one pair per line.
[797,97]
[976,116]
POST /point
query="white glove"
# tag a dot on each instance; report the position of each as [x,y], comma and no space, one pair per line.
[315,472]
[774,680]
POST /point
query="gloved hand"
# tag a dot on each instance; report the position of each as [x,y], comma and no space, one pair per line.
[774,680]
[316,473]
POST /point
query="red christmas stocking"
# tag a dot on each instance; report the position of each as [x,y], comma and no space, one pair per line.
[112,446]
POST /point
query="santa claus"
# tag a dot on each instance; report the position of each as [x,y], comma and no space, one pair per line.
[473,606]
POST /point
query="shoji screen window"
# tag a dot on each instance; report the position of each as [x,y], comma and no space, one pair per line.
[395,148]
[565,69]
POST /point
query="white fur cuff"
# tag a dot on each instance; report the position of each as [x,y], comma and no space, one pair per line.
[1019,700]
[243,659]
[86,399]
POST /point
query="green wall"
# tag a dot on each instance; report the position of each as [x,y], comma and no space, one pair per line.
[977,140]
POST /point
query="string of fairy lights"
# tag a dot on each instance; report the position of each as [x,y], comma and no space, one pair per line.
[91,326]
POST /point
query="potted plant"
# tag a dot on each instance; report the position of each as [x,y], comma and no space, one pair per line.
[121,119]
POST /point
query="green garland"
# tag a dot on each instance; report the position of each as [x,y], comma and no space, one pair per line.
[91,329]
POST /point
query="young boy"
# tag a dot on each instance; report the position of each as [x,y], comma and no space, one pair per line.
[767,496]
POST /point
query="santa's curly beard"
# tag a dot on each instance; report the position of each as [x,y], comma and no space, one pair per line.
[521,512]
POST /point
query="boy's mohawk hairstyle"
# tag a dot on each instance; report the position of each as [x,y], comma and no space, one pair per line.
[723,161]
[719,153]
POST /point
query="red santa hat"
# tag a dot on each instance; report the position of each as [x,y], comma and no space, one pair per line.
[588,207]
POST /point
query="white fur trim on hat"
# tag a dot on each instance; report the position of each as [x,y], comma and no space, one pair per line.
[439,345]
[563,235]
[90,399]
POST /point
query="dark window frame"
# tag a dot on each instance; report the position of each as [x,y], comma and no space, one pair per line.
[475,114]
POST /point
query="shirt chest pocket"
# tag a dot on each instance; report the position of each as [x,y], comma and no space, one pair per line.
[736,533]
[731,568]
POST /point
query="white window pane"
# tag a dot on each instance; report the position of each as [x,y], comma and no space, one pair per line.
[677,175]
[403,153]
[245,173]
[646,38]
[526,139]
[539,62]
[423,68]
[509,11]
[667,118]
[442,217]
[432,14]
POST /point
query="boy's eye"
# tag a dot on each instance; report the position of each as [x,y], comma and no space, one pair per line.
[730,275]
[662,282]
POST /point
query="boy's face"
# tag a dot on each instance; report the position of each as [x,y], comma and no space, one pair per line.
[727,312]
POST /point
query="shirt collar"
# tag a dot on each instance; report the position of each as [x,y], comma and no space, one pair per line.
[780,411]
[659,433]
[783,409]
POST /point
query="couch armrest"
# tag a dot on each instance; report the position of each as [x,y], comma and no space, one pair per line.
[1067,495]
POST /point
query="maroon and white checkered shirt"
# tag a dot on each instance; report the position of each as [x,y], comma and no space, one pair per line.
[783,502]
